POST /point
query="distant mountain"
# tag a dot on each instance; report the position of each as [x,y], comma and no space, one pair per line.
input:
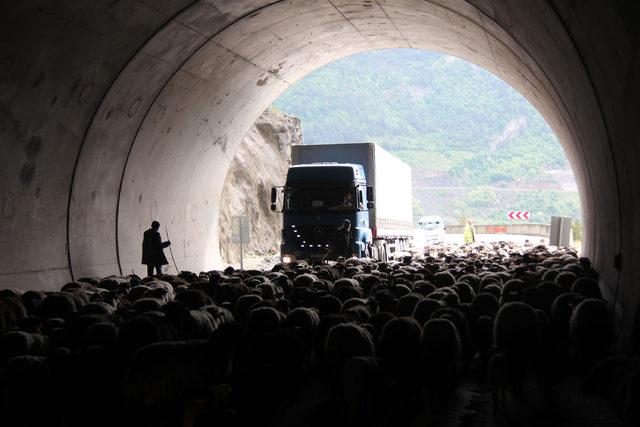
[476,146]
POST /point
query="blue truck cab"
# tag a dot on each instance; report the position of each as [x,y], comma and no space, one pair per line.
[316,199]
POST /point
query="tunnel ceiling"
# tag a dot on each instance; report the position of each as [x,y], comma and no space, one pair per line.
[114,113]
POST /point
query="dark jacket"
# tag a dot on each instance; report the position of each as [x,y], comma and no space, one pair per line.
[152,245]
[342,242]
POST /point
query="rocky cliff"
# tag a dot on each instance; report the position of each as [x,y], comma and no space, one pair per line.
[260,163]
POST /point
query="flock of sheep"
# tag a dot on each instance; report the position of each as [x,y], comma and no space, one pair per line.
[355,343]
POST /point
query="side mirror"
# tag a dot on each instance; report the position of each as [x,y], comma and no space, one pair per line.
[274,195]
[370,196]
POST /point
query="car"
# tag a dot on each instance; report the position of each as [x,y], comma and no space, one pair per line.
[430,229]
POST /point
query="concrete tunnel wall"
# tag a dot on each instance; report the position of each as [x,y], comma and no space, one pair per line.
[114,113]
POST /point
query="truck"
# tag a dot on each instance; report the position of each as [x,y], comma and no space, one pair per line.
[328,183]
[431,229]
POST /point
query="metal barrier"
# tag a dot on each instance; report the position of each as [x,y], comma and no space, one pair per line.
[541,230]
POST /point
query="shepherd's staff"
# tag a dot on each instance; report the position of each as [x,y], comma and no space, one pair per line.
[170,250]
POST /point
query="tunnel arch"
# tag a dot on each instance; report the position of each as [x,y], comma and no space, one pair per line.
[251,58]
[156,97]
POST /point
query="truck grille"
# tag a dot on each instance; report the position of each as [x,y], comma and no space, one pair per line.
[310,235]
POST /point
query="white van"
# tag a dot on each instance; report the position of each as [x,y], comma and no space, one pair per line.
[430,230]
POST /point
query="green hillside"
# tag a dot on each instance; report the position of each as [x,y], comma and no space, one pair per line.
[456,124]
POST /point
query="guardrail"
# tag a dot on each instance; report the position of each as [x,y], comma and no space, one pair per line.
[542,230]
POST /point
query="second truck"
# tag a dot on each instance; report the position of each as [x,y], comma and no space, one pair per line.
[321,178]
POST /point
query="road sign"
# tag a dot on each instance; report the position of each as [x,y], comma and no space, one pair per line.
[518,215]
[240,229]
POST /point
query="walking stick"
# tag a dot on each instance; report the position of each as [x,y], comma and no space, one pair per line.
[171,251]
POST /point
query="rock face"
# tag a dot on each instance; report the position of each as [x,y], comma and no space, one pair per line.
[260,163]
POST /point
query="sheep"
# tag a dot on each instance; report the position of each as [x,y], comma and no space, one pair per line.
[586,287]
[516,335]
[11,312]
[465,292]
[591,331]
[328,304]
[498,372]
[564,279]
[357,380]
[407,304]
[423,287]
[512,291]
[264,319]
[399,348]
[18,343]
[304,280]
[163,373]
[303,322]
[424,309]
[193,298]
[617,378]
[243,306]
[144,305]
[101,334]
[482,339]
[485,304]
[344,341]
[59,305]
[442,279]
[560,315]
[440,350]
[32,300]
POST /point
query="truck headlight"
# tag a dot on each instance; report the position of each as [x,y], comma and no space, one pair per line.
[286,259]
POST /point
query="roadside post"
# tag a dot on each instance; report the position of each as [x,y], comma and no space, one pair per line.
[240,234]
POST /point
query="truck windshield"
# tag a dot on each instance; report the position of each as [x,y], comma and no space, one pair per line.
[320,199]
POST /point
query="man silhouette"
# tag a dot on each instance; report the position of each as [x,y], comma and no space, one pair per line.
[342,240]
[152,249]
[347,200]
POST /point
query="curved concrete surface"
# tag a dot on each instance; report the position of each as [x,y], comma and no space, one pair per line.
[113,113]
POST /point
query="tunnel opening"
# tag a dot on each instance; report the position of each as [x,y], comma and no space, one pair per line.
[476,147]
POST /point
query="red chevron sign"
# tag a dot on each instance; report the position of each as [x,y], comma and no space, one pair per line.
[518,215]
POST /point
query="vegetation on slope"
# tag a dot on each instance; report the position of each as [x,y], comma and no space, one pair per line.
[455,123]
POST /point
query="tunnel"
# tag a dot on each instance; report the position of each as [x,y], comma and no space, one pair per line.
[114,113]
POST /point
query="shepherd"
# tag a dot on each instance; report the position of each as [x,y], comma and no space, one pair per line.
[469,233]
[152,249]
